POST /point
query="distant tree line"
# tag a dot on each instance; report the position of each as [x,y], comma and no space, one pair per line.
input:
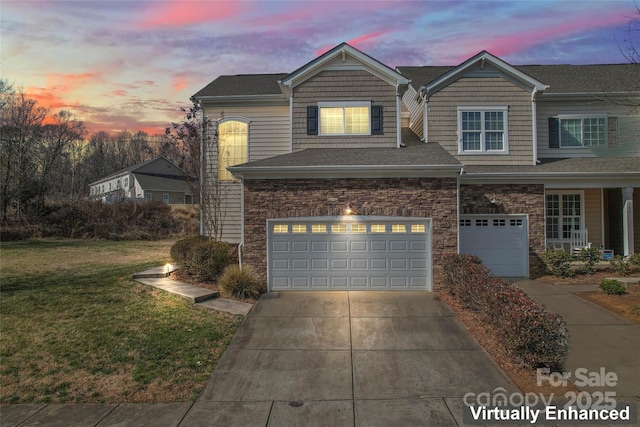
[48,159]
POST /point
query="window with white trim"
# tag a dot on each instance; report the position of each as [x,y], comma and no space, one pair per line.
[563,214]
[582,131]
[345,118]
[232,146]
[165,198]
[483,130]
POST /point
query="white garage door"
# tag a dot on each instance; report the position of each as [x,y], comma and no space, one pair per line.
[349,253]
[501,242]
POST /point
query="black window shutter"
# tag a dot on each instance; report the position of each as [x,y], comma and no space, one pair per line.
[312,120]
[376,120]
[554,132]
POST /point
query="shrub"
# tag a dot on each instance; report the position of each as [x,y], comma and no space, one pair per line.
[531,335]
[558,263]
[613,287]
[240,282]
[620,264]
[590,257]
[201,257]
[635,259]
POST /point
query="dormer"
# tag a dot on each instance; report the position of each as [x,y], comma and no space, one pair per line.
[345,99]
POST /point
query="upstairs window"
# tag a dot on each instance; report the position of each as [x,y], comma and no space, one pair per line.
[344,118]
[577,131]
[232,146]
[482,130]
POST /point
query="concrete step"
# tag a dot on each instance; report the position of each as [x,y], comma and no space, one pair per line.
[227,306]
[156,272]
[195,294]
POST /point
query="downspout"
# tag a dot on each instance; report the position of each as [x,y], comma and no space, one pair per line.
[241,245]
[291,122]
[425,127]
[398,117]
[201,183]
[458,207]
[534,121]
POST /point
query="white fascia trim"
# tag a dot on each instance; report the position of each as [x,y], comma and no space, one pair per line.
[346,172]
[314,67]
[495,61]
[241,98]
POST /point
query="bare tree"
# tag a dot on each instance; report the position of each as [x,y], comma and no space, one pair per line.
[198,138]
[630,44]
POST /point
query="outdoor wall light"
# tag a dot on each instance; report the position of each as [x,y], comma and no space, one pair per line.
[348,210]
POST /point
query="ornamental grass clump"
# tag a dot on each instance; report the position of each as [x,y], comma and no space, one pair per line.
[533,336]
[240,282]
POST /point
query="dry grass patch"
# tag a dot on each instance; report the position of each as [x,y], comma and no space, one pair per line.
[626,305]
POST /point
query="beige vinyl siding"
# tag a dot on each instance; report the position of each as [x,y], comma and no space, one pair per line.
[231,224]
[344,85]
[268,136]
[410,100]
[628,128]
[442,117]
[268,128]
[593,215]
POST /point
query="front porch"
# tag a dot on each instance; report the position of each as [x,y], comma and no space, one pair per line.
[605,218]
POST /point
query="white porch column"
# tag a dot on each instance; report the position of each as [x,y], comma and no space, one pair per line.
[627,220]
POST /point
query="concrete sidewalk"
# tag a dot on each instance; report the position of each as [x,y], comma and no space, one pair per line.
[598,337]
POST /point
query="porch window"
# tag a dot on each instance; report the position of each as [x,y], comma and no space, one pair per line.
[482,130]
[582,131]
[563,214]
[232,146]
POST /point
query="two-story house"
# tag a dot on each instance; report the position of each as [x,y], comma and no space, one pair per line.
[348,174]
[156,179]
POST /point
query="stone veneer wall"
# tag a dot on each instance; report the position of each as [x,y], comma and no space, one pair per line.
[412,197]
[511,199]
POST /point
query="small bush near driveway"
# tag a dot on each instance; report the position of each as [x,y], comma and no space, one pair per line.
[558,263]
[613,287]
[533,336]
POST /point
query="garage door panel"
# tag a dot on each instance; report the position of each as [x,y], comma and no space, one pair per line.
[501,243]
[319,246]
[378,254]
[339,246]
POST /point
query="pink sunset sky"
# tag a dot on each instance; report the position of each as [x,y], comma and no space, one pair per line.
[130,65]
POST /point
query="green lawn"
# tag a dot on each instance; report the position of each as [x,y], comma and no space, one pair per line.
[75,328]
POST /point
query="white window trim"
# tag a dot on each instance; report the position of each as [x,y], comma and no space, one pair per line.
[484,108]
[604,116]
[582,213]
[342,104]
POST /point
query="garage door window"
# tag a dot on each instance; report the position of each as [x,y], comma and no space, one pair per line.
[298,228]
[319,228]
[281,229]
[358,228]
[418,228]
[398,228]
[378,228]
[338,228]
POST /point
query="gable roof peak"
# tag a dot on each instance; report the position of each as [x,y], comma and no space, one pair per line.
[343,49]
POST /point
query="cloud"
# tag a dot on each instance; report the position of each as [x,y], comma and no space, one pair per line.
[181,13]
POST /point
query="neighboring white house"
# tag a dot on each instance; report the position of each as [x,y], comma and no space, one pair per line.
[156,179]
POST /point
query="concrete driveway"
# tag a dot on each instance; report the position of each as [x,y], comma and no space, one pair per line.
[345,359]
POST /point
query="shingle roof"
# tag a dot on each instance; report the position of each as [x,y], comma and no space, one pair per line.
[581,165]
[560,78]
[416,153]
[148,182]
[243,84]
